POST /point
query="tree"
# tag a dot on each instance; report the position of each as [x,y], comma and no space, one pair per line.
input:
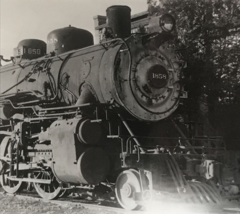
[209,38]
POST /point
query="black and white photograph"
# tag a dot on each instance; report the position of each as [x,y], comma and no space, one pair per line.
[119,107]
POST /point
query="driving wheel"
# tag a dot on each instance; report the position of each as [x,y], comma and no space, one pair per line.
[127,184]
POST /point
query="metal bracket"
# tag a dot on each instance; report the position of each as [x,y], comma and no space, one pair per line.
[146,184]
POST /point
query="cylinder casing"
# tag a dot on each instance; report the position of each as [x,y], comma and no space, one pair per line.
[75,161]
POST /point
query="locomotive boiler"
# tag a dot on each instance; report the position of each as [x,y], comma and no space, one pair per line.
[81,116]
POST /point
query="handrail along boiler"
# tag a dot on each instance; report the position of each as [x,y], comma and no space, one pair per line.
[86,116]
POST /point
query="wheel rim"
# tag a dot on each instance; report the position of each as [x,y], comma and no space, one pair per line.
[64,193]
[126,185]
[47,191]
[8,185]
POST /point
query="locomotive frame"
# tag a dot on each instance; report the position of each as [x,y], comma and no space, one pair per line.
[129,78]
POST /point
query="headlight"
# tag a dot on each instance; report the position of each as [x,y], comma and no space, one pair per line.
[167,22]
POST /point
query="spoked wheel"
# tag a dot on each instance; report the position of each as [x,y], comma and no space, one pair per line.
[48,191]
[128,183]
[8,185]
[64,193]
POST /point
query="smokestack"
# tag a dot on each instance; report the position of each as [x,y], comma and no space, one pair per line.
[119,19]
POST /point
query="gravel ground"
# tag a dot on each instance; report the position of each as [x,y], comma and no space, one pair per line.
[15,205]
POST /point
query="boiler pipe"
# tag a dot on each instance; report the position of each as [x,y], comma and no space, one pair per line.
[131,133]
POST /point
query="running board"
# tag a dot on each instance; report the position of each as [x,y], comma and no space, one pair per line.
[42,181]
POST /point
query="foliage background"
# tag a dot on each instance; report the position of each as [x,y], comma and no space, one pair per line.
[208,33]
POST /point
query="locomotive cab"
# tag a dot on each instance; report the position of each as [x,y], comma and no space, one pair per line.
[30,49]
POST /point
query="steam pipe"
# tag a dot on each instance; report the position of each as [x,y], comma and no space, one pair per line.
[130,132]
[5,133]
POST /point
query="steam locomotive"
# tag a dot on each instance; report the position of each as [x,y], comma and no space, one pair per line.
[100,117]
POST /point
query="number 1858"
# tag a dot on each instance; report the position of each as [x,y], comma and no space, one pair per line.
[34,51]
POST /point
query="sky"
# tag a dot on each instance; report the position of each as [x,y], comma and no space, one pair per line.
[34,19]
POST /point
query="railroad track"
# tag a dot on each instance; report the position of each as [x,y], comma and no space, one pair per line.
[111,206]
